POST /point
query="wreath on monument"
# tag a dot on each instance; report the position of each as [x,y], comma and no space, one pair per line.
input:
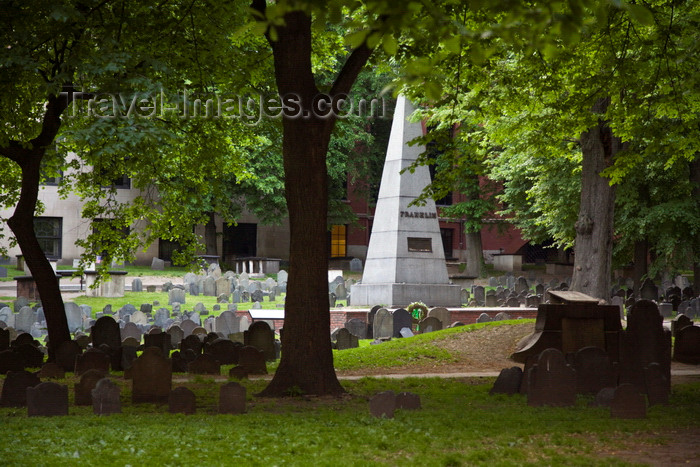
[418,311]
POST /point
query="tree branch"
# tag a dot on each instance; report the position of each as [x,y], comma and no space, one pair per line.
[352,67]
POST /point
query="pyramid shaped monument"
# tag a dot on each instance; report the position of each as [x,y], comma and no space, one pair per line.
[405,258]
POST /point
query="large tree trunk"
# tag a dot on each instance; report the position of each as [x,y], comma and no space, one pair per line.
[474,254]
[29,159]
[210,235]
[594,227]
[695,178]
[307,357]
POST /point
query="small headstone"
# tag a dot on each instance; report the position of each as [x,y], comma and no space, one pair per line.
[383,404]
[429,324]
[383,325]
[151,377]
[182,400]
[83,388]
[14,389]
[551,381]
[66,353]
[686,347]
[400,319]
[105,398]
[137,285]
[508,381]
[51,370]
[232,399]
[261,336]
[157,264]
[408,401]
[594,370]
[483,318]
[628,402]
[47,400]
[176,295]
[355,266]
[92,359]
[357,328]
[252,360]
[345,340]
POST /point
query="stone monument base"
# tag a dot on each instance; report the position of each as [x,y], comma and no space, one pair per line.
[400,295]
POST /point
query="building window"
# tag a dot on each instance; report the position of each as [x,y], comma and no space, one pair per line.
[49,233]
[122,182]
[51,180]
[447,235]
[339,241]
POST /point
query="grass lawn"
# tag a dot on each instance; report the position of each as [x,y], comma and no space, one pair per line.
[459,424]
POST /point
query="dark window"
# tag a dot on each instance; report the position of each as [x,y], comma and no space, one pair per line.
[49,233]
[447,236]
[166,248]
[122,182]
[240,240]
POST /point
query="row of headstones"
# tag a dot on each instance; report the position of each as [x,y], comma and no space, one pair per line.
[643,373]
[51,399]
[504,298]
[109,350]
[522,284]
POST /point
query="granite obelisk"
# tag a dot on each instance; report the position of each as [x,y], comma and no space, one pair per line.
[405,258]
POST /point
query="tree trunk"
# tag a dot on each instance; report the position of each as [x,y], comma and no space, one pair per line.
[29,158]
[695,178]
[307,357]
[594,227]
[210,235]
[641,252]
[474,253]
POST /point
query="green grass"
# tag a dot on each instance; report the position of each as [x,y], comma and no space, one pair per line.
[459,424]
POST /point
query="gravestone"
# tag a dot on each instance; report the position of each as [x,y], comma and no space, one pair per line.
[51,370]
[429,324]
[282,276]
[383,324]
[83,388]
[678,323]
[192,342]
[657,386]
[222,286]
[551,381]
[408,401]
[648,290]
[106,331]
[483,318]
[345,340]
[131,330]
[32,356]
[136,285]
[442,314]
[14,388]
[260,335]
[628,402]
[665,309]
[357,328]
[355,265]
[400,319]
[139,318]
[479,295]
[182,400]
[252,360]
[157,264]
[232,399]
[160,340]
[645,341]
[204,364]
[223,350]
[491,300]
[256,295]
[24,319]
[151,377]
[92,359]
[66,352]
[686,347]
[105,398]
[74,315]
[501,316]
[383,404]
[176,295]
[594,370]
[47,400]
[209,286]
[508,381]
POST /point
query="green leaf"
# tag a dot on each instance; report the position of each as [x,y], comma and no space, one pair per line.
[640,14]
[390,44]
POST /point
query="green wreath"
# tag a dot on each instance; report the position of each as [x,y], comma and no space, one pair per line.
[418,311]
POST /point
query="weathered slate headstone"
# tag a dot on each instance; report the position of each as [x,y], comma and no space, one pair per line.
[383,325]
[628,402]
[357,328]
[483,318]
[74,315]
[136,285]
[83,388]
[260,335]
[645,341]
[92,359]
[479,295]
[47,400]
[182,400]
[159,339]
[32,356]
[443,314]
[51,370]
[66,353]
[508,381]
[232,399]
[400,319]
[252,360]
[383,404]
[408,401]
[223,350]
[14,389]
[105,397]
[151,377]
[686,347]
[204,364]
[551,381]
[594,370]
[345,340]
[176,295]
[106,331]
[429,324]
